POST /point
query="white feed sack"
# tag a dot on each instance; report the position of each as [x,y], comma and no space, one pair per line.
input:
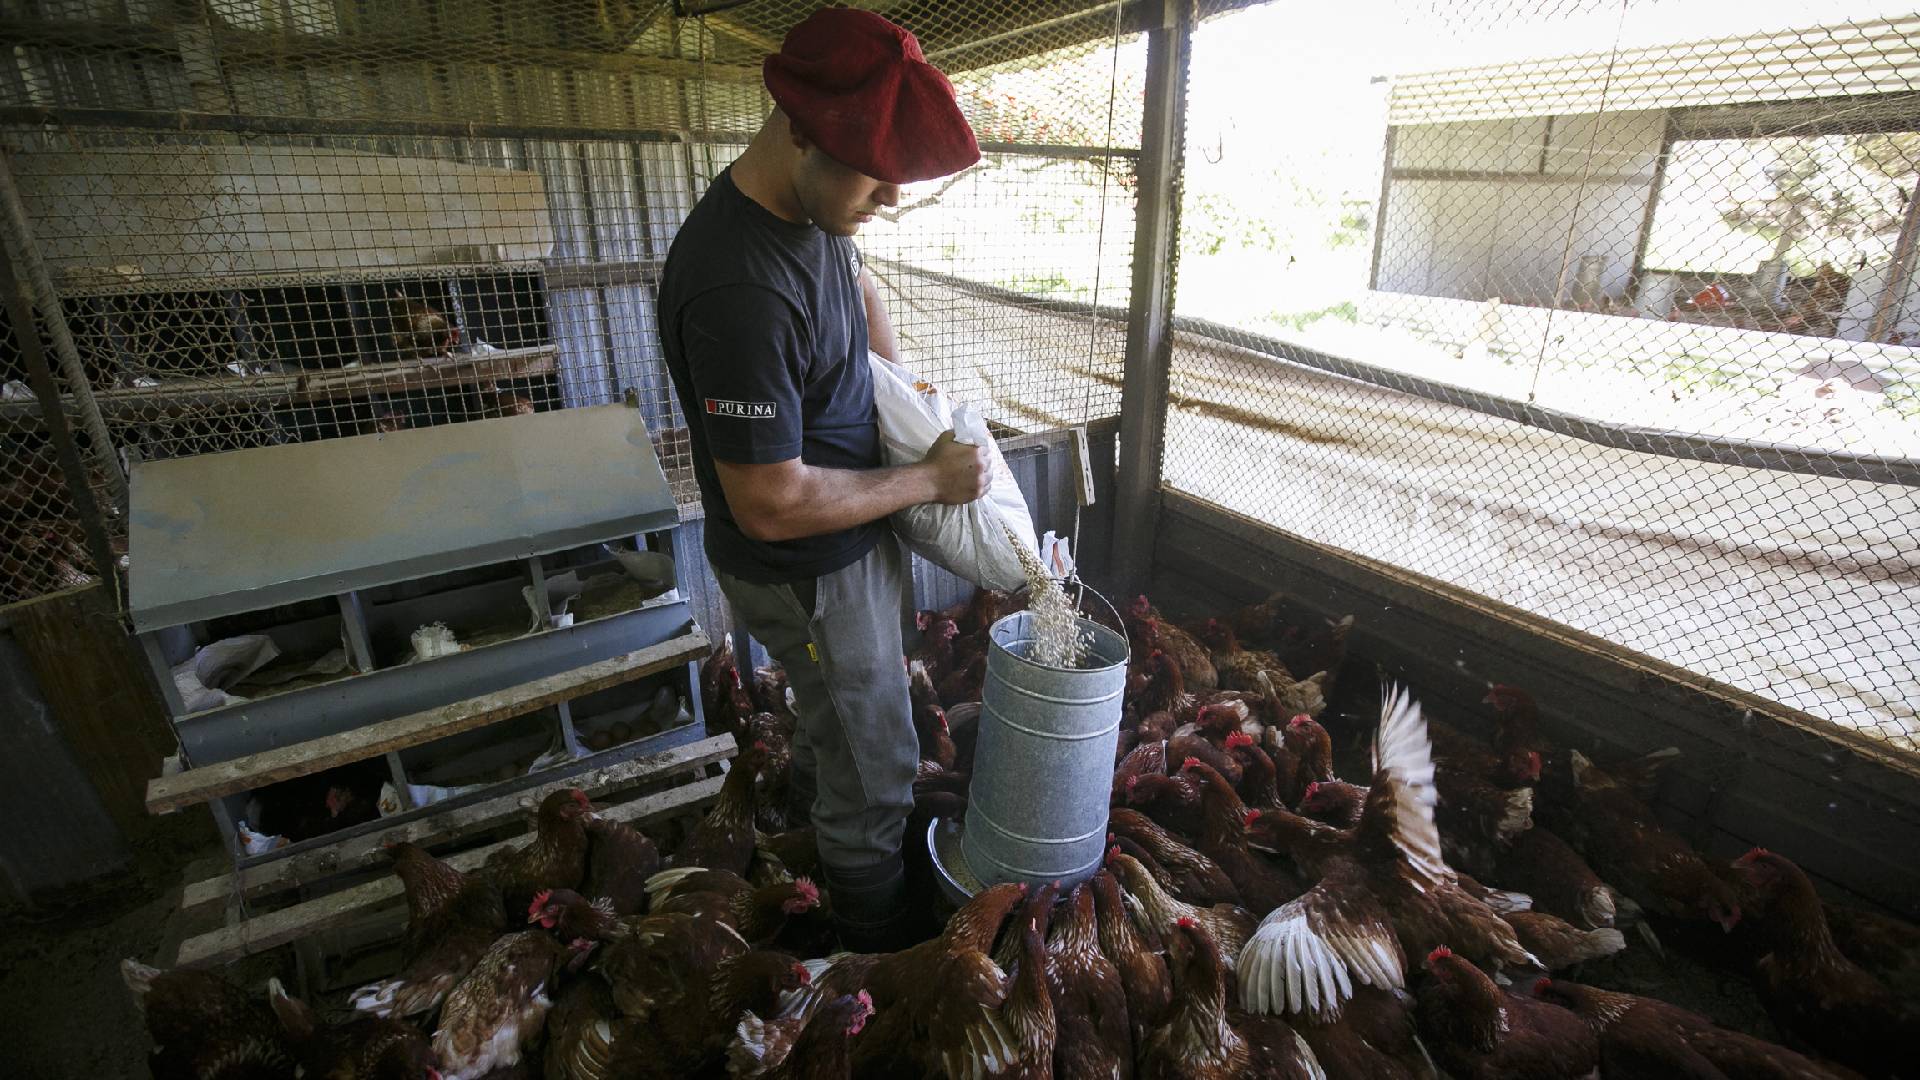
[971,541]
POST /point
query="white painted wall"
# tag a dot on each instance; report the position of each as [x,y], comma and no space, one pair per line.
[1526,193]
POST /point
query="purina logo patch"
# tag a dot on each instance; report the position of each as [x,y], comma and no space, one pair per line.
[741,410]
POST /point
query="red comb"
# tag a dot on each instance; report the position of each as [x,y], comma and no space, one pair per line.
[1239,738]
[1190,763]
[539,901]
[1540,985]
[1113,852]
[805,976]
[1311,788]
[1300,721]
[1133,782]
[760,745]
[1187,921]
[579,796]
[1247,819]
[807,889]
[1440,953]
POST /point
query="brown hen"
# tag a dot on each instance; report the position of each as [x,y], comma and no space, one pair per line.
[205,1028]
[1193,877]
[556,858]
[1810,989]
[1642,1037]
[364,1048]
[459,916]
[1385,891]
[1143,972]
[1200,1039]
[1477,1031]
[723,840]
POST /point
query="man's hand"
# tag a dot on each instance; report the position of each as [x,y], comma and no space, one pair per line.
[786,500]
[959,470]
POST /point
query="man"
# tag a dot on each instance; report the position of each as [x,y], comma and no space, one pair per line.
[766,316]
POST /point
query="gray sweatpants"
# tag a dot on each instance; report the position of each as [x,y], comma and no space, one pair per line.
[855,741]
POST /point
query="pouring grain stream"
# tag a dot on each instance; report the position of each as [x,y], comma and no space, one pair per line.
[1058,640]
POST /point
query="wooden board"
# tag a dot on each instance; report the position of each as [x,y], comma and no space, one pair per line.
[192,398]
[367,849]
[207,782]
[276,928]
[458,370]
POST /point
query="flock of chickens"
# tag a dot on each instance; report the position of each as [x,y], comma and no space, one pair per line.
[1258,916]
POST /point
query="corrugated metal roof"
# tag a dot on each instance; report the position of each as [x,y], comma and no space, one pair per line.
[1867,58]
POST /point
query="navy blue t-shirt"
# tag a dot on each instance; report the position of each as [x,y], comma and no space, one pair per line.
[765,334]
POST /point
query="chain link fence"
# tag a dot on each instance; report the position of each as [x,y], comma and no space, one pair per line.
[1604,311]
[43,548]
[271,221]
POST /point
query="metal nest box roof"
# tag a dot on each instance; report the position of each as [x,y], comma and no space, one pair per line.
[219,534]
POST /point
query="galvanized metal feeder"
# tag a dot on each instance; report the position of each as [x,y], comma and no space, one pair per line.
[1043,765]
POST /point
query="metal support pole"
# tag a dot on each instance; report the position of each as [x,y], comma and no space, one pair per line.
[569,735]
[1143,394]
[1646,219]
[1903,249]
[16,232]
[53,414]
[1380,211]
[354,631]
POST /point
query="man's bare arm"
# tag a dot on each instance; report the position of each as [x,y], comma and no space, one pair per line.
[790,499]
[880,335]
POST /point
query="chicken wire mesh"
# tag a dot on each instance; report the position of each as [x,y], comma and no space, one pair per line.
[42,546]
[1605,311]
[291,220]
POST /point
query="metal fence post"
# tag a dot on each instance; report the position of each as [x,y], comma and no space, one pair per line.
[1143,395]
[16,231]
[53,415]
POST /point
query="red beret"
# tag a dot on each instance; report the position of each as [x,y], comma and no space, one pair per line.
[858,86]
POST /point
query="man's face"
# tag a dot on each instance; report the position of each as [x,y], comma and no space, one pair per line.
[838,199]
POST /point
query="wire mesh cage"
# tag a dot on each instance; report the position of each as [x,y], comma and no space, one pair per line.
[290,220]
[1603,311]
[42,546]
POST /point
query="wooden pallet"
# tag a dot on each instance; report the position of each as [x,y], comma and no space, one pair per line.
[261,932]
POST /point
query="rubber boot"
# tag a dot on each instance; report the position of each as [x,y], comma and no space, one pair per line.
[870,910]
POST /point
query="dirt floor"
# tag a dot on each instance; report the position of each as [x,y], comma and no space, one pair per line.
[68,1013]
